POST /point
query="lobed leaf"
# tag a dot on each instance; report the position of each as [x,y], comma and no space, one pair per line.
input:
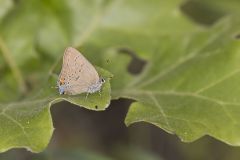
[189,86]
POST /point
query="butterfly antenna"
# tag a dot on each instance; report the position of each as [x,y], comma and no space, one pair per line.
[55,87]
[54,75]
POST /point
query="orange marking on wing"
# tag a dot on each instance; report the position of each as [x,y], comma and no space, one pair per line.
[61,81]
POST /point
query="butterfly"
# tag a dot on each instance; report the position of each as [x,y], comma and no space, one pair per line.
[78,75]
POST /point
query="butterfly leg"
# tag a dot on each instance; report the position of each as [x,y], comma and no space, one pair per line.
[86,96]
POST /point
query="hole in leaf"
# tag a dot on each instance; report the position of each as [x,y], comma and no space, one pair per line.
[237,36]
[201,12]
[16,1]
[137,64]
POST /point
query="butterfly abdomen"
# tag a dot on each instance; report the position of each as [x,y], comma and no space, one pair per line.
[96,87]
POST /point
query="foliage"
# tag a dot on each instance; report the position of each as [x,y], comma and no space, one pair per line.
[188,87]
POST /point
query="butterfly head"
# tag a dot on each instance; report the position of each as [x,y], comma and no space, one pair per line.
[61,89]
[101,80]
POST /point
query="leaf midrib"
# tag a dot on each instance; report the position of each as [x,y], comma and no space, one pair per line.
[181,61]
[124,93]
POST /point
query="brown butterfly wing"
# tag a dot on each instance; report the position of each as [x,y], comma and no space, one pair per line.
[77,72]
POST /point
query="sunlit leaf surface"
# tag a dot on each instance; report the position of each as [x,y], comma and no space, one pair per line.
[188,87]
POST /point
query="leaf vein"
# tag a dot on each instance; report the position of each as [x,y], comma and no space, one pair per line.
[181,61]
[19,125]
[217,82]
[160,109]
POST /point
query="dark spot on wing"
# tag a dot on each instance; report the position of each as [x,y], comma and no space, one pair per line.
[80,70]
[77,78]
[96,107]
[76,58]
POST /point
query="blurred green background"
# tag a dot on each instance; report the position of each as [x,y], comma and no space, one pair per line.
[81,133]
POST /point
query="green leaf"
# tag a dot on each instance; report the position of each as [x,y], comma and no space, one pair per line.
[172,91]
[189,86]
[5,6]
[28,123]
[33,53]
[196,94]
[25,124]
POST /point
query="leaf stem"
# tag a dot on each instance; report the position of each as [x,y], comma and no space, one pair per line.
[13,66]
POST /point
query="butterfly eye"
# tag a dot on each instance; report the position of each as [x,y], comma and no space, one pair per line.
[61,90]
[102,80]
